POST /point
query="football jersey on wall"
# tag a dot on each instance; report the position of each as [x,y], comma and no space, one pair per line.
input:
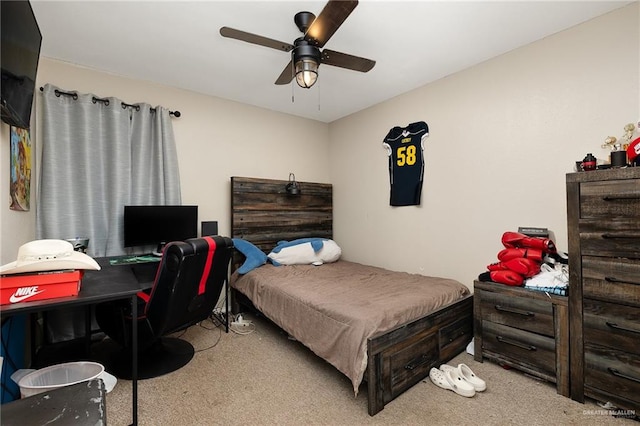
[405,148]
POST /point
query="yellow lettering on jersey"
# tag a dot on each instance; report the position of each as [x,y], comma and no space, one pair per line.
[406,140]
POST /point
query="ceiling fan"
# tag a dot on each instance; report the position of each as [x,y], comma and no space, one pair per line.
[306,55]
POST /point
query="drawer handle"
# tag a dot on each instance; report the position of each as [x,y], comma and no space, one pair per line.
[621,197]
[514,311]
[617,327]
[620,236]
[616,280]
[423,360]
[514,343]
[624,376]
[460,334]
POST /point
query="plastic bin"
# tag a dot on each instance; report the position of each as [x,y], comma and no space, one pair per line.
[57,376]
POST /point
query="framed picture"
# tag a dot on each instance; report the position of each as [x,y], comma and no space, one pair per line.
[20,180]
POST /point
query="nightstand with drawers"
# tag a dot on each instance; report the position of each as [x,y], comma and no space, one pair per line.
[525,329]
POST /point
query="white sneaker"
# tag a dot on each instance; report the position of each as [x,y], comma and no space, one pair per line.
[550,276]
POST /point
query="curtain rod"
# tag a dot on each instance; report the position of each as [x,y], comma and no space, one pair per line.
[106,101]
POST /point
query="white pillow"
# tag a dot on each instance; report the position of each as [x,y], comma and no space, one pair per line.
[330,252]
[303,254]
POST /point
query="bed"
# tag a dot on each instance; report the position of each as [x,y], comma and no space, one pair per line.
[386,329]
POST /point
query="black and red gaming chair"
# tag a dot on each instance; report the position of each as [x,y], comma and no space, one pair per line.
[188,283]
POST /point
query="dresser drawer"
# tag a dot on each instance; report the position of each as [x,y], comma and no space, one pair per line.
[518,312]
[615,238]
[455,335]
[407,362]
[521,347]
[611,325]
[611,279]
[610,198]
[612,372]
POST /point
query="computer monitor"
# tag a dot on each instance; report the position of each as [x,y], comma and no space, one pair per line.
[159,225]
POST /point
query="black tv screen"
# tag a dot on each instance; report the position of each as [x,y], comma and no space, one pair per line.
[20,45]
[159,225]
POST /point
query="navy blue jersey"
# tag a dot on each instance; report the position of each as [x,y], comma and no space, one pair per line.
[405,147]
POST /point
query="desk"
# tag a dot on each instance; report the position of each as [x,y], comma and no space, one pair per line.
[110,283]
[82,403]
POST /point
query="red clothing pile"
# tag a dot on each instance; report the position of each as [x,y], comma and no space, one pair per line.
[520,259]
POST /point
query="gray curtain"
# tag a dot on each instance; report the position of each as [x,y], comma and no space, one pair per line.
[98,155]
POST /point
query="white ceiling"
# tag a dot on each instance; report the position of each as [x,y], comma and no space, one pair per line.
[177,43]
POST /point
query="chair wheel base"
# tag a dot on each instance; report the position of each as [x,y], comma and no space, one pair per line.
[166,355]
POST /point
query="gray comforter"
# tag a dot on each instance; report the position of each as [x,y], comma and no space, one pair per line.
[334,308]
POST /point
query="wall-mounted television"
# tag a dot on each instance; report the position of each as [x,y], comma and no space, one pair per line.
[158,225]
[20,44]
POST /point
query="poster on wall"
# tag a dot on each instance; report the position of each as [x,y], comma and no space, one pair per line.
[20,181]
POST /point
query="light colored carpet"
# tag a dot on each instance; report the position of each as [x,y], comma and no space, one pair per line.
[264,378]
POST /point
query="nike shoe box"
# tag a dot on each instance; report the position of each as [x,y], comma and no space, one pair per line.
[39,286]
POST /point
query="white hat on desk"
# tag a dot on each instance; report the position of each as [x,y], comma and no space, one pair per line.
[48,255]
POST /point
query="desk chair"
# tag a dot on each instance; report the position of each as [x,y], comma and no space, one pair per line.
[188,284]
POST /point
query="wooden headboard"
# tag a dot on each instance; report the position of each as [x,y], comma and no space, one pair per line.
[263,213]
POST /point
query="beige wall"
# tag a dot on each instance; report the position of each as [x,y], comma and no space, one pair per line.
[503,135]
[215,138]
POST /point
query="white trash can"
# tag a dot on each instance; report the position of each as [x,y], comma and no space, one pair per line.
[57,376]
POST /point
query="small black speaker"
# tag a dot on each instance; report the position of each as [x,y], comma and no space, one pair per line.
[209,228]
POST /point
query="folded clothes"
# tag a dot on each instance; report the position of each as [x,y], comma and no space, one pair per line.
[560,291]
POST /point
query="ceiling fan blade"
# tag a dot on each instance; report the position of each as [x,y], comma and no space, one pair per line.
[327,23]
[287,74]
[343,60]
[255,39]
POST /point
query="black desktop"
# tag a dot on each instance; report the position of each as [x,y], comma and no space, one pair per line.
[158,225]
[155,226]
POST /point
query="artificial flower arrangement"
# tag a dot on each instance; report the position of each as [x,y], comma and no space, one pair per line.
[626,147]
[615,145]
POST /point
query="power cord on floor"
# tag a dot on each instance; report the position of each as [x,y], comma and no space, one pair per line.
[217,321]
[240,325]
[203,325]
[218,318]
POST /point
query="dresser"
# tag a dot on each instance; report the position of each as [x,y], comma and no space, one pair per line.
[603,219]
[524,329]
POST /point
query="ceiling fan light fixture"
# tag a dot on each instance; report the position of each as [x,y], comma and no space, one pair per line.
[306,59]
[306,72]
[305,51]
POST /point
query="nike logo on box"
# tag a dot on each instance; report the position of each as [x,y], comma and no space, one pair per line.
[24,293]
